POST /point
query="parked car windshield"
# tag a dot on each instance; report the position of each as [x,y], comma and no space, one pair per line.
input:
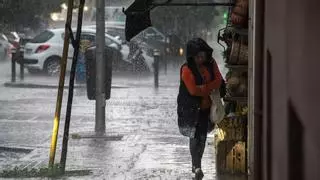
[42,37]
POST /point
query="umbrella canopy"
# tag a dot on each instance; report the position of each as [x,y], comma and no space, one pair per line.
[138,18]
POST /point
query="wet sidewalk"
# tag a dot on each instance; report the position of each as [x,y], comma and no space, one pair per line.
[145,118]
[151,146]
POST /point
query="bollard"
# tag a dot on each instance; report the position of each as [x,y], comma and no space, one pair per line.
[165,64]
[21,65]
[13,66]
[156,56]
[21,70]
[164,56]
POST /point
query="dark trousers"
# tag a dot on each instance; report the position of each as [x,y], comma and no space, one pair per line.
[198,143]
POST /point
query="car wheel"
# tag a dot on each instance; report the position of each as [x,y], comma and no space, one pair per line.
[52,66]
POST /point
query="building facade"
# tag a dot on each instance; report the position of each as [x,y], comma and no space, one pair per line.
[284,123]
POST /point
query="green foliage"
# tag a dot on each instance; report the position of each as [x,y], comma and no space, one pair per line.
[186,21]
[18,172]
[55,171]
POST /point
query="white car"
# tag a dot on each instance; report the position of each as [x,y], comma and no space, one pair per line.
[5,48]
[13,38]
[43,52]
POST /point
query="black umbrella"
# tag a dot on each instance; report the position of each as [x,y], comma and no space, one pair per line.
[138,18]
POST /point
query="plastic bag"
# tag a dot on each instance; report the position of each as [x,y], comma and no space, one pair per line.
[217,112]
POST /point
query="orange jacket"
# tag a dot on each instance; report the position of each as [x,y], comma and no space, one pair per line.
[205,89]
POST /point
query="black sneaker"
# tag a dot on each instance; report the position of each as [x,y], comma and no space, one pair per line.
[199,174]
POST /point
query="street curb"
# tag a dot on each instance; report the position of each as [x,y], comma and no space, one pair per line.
[15,149]
[43,86]
[93,135]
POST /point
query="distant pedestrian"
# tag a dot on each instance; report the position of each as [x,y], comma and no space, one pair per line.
[200,75]
[81,66]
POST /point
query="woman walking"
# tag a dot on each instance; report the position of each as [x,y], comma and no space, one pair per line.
[200,75]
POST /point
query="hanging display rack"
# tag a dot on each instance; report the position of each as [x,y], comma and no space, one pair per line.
[232,145]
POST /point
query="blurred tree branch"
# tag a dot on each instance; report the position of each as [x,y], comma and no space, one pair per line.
[26,13]
[185,21]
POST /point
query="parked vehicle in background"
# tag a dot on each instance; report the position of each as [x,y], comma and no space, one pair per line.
[151,38]
[117,31]
[43,52]
[23,41]
[13,38]
[138,56]
[5,48]
[112,13]
[168,44]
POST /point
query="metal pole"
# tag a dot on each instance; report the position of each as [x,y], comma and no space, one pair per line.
[63,65]
[71,87]
[21,66]
[13,66]
[156,56]
[21,71]
[100,125]
[165,64]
